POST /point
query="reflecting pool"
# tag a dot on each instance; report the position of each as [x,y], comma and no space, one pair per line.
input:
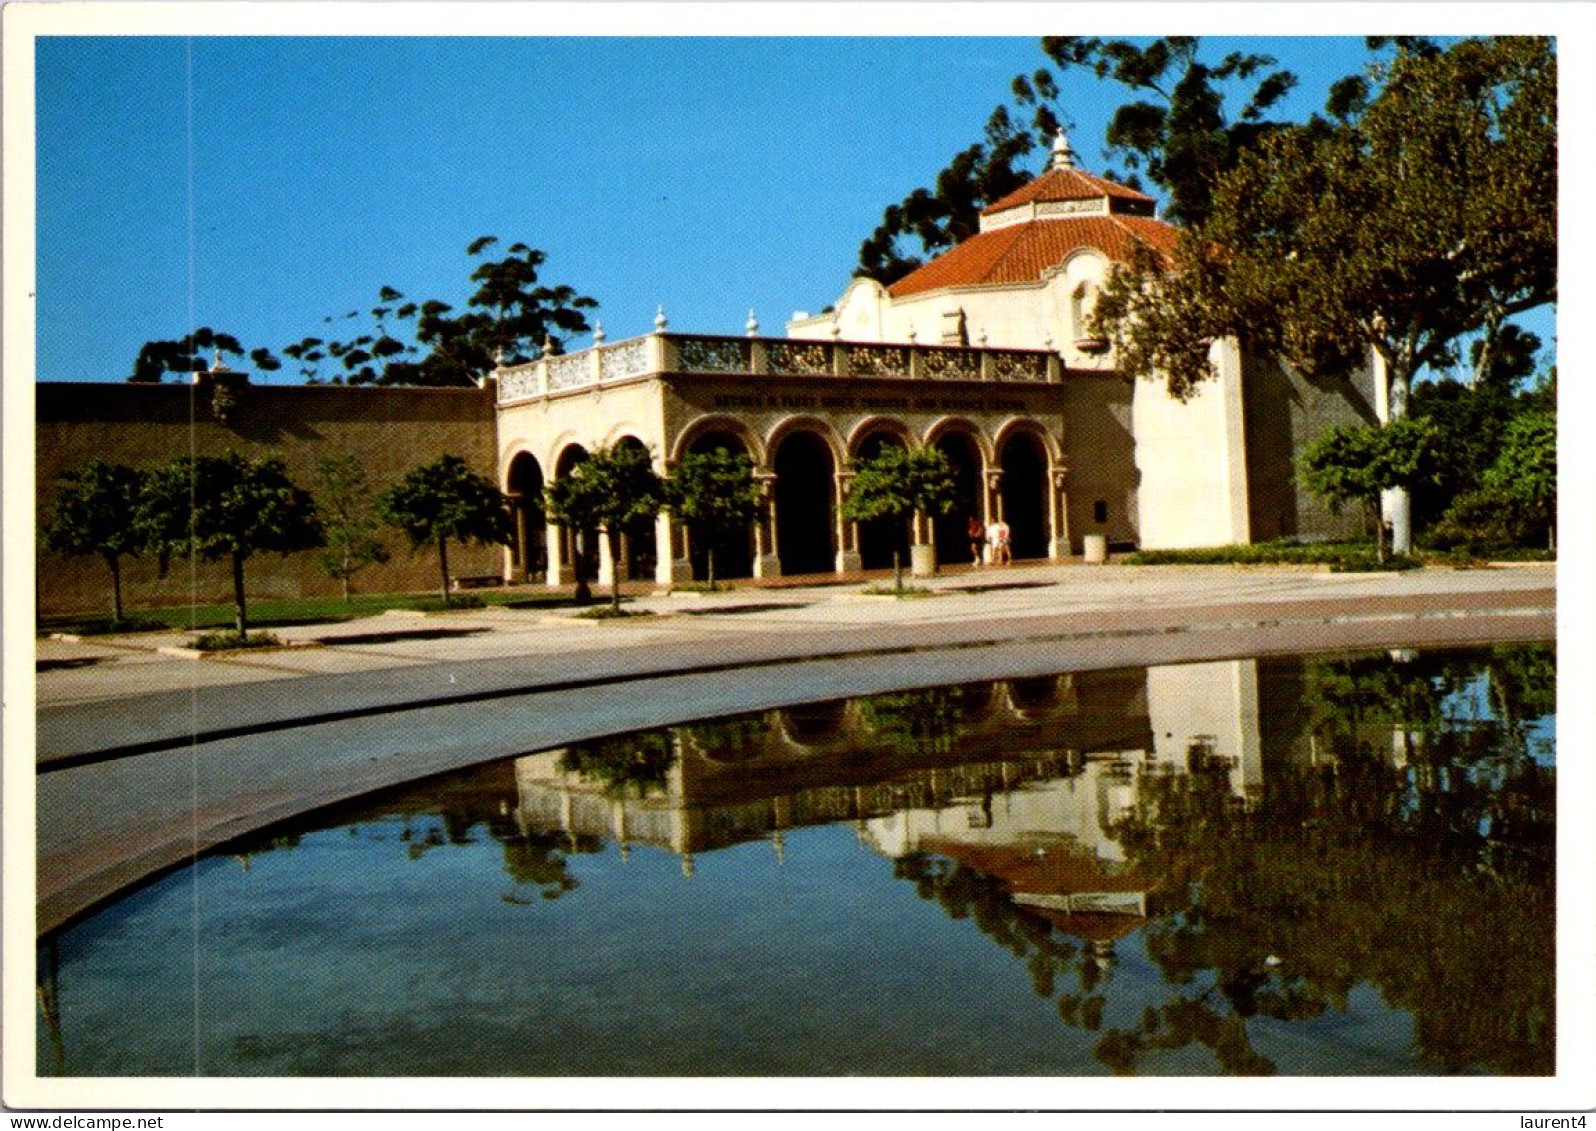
[1308,866]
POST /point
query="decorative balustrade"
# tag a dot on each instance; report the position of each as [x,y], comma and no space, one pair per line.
[784,357]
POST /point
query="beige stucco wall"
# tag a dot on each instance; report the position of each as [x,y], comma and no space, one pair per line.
[1191,460]
[389,430]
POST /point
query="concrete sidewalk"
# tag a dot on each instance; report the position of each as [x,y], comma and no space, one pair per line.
[146,758]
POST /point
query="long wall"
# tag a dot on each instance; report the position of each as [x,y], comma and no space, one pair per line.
[388,430]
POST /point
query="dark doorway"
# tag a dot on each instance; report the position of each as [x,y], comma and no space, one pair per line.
[527,553]
[1025,495]
[878,540]
[581,545]
[638,537]
[805,482]
[953,529]
[734,550]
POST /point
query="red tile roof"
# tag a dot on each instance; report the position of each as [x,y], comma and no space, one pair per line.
[1065,184]
[1024,253]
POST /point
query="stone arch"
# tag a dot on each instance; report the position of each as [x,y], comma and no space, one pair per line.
[523,486]
[968,455]
[639,554]
[733,549]
[872,427]
[625,430]
[818,425]
[809,726]
[576,550]
[804,457]
[1026,459]
[883,539]
[720,423]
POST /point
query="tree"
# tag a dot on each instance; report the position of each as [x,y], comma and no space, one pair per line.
[510,318]
[898,485]
[1525,471]
[94,514]
[351,523]
[1432,217]
[442,500]
[1356,464]
[227,506]
[714,494]
[613,489]
[1182,139]
[193,354]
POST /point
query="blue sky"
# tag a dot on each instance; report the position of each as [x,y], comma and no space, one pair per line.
[708,175]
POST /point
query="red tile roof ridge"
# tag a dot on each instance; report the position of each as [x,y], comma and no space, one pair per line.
[1064,184]
[1032,252]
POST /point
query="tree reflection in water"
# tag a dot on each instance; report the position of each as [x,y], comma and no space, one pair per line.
[1394,834]
[1411,851]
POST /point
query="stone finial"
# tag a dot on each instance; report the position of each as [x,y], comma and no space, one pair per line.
[659,320]
[752,325]
[980,337]
[598,333]
[836,330]
[1063,156]
[912,335]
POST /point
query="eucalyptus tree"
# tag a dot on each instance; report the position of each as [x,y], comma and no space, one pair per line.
[1176,129]
[95,514]
[229,507]
[1392,232]
[195,353]
[445,500]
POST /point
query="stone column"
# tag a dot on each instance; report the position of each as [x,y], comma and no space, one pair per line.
[523,551]
[767,563]
[1059,509]
[846,533]
[671,563]
[606,563]
[559,570]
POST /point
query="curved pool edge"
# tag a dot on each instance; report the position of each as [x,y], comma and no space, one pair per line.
[91,853]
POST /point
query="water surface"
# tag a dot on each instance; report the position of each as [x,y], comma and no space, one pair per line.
[1307,866]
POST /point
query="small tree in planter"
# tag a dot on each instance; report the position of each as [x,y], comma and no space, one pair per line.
[898,485]
[1355,464]
[612,489]
[351,522]
[442,500]
[714,495]
[227,506]
[95,514]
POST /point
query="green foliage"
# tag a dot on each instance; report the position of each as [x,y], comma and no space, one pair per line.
[229,641]
[1356,463]
[896,485]
[510,318]
[714,494]
[193,354]
[636,764]
[614,489]
[227,507]
[95,514]
[1176,130]
[442,501]
[350,519]
[1260,553]
[1525,471]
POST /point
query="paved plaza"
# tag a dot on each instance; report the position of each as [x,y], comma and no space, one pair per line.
[147,757]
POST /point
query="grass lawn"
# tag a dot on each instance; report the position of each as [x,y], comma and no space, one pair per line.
[269,613]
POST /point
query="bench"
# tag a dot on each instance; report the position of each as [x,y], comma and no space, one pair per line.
[476,581]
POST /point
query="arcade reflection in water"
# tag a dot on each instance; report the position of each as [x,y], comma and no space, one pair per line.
[1278,832]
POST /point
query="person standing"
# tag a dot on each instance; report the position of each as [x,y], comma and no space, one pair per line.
[977,536]
[1002,556]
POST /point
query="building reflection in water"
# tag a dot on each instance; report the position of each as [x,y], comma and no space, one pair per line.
[1279,834]
[1211,804]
